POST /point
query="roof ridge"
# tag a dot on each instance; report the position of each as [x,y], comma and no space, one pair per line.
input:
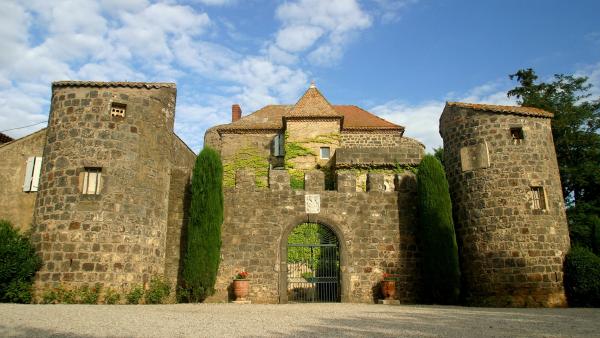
[83,83]
[519,110]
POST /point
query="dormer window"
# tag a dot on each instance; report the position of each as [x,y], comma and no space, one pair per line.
[516,135]
[118,109]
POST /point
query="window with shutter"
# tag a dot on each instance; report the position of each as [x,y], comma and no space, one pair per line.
[32,174]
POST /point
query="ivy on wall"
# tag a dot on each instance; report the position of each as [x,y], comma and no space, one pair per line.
[246,158]
[299,149]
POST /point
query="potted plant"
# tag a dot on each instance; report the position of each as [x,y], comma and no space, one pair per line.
[241,285]
[388,286]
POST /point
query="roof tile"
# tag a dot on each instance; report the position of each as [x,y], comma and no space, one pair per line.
[529,111]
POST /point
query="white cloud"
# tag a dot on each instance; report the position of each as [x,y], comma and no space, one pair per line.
[298,37]
[592,72]
[422,119]
[321,28]
[389,10]
[216,2]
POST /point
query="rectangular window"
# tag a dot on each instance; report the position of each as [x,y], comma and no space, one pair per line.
[278,145]
[92,181]
[538,200]
[325,153]
[117,109]
[32,173]
[517,135]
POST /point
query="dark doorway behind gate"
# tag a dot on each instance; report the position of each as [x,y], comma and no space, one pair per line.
[313,264]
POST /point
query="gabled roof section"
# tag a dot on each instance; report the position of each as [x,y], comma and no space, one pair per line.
[313,104]
[267,118]
[517,110]
[356,118]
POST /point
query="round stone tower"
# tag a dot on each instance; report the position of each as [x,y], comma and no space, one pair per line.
[507,202]
[102,204]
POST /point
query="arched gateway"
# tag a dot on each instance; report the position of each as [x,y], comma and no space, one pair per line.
[311,265]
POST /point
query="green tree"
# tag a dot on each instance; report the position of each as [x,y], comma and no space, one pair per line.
[439,154]
[202,256]
[575,131]
[437,240]
[18,265]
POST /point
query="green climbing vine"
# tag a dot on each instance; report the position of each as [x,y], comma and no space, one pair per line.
[246,158]
[299,149]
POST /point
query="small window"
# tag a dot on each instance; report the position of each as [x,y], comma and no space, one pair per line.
[32,174]
[517,135]
[117,109]
[538,200]
[92,181]
[325,153]
[278,145]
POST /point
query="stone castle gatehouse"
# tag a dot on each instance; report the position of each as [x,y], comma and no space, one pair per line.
[104,189]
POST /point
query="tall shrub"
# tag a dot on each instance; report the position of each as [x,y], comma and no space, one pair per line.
[204,228]
[582,277]
[18,265]
[441,272]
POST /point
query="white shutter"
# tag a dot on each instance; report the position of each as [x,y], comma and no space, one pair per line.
[28,174]
[37,168]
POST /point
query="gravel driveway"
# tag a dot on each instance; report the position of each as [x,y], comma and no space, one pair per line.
[210,320]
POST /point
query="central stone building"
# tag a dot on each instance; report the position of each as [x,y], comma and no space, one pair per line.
[337,166]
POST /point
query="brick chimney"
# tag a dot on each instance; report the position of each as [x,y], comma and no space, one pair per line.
[236,112]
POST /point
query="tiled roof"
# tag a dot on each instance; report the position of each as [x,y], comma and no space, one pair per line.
[358,118]
[529,111]
[271,118]
[113,84]
[5,138]
[268,117]
[312,104]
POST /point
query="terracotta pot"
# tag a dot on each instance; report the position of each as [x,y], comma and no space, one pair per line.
[241,288]
[388,289]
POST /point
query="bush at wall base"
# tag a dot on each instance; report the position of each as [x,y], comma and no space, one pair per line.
[582,277]
[18,265]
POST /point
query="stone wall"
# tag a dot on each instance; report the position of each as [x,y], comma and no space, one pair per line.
[376,231]
[408,152]
[244,151]
[511,254]
[370,139]
[116,237]
[16,204]
[312,134]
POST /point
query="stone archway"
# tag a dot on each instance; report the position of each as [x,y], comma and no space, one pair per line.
[311,265]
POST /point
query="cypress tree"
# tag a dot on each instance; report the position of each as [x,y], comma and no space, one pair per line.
[441,271]
[204,228]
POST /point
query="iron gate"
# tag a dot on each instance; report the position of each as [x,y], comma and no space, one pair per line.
[313,264]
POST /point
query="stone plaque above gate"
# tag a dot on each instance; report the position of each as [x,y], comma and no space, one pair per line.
[312,203]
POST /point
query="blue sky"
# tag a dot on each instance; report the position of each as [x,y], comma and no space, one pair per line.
[399,59]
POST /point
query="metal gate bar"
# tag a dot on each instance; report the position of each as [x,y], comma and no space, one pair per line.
[313,274]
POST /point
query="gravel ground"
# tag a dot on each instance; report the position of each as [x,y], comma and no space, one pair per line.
[323,320]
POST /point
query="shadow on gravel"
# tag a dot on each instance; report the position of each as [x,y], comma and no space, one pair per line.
[470,323]
[31,332]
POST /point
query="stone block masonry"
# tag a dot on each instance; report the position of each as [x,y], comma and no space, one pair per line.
[119,135]
[376,231]
[508,206]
